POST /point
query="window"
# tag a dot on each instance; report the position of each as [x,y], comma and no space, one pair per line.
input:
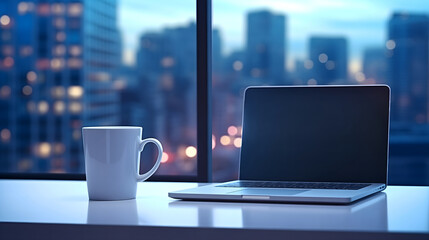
[324,42]
[68,64]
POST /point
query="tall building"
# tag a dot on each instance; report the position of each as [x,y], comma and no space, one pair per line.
[408,45]
[59,60]
[166,70]
[217,58]
[266,46]
[329,59]
[375,65]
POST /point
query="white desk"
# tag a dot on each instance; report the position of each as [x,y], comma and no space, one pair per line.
[61,210]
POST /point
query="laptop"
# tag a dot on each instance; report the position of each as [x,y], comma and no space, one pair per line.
[310,144]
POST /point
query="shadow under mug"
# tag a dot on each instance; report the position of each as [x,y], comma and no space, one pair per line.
[112,161]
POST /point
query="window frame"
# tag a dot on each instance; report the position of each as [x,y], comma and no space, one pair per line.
[203,105]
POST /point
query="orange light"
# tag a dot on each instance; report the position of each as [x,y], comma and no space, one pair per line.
[164,157]
[225,140]
[44,149]
[191,152]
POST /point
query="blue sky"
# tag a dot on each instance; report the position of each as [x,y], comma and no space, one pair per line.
[362,22]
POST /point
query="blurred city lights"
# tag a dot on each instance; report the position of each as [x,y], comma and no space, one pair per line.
[164,157]
[213,142]
[191,152]
[5,92]
[5,20]
[75,107]
[43,107]
[237,65]
[323,58]
[312,81]
[31,76]
[5,135]
[390,44]
[237,142]
[8,62]
[43,150]
[75,91]
[27,90]
[225,140]
[232,130]
[58,92]
[308,64]
[360,77]
[330,65]
[59,107]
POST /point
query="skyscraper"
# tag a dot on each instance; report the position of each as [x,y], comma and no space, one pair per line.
[329,58]
[375,65]
[59,63]
[166,69]
[265,46]
[408,45]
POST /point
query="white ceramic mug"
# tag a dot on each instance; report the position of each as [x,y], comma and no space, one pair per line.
[112,161]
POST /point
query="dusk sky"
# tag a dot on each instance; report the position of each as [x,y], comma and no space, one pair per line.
[363,23]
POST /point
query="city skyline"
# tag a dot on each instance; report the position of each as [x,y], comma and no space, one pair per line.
[364,23]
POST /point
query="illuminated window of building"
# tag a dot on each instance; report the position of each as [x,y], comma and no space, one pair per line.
[59,50]
[58,8]
[58,92]
[75,9]
[75,50]
[59,107]
[31,107]
[59,23]
[57,63]
[167,62]
[43,107]
[27,90]
[43,64]
[5,92]
[43,9]
[8,62]
[5,20]
[76,135]
[43,150]
[25,7]
[61,36]
[237,65]
[26,51]
[25,165]
[75,91]
[74,63]
[7,50]
[75,107]
[5,135]
[59,148]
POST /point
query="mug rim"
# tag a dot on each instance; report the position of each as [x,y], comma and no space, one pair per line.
[110,127]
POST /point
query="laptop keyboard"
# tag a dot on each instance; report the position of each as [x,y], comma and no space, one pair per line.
[303,185]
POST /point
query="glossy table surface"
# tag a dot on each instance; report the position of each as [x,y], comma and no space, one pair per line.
[399,209]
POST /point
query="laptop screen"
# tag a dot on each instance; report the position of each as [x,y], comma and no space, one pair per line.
[316,134]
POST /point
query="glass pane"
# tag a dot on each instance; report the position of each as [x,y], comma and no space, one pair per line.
[67,64]
[324,42]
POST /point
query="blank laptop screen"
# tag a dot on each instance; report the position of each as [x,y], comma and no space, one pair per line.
[321,134]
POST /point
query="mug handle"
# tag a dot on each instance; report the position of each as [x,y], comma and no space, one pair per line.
[142,177]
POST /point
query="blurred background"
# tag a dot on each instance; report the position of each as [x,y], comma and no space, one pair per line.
[65,64]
